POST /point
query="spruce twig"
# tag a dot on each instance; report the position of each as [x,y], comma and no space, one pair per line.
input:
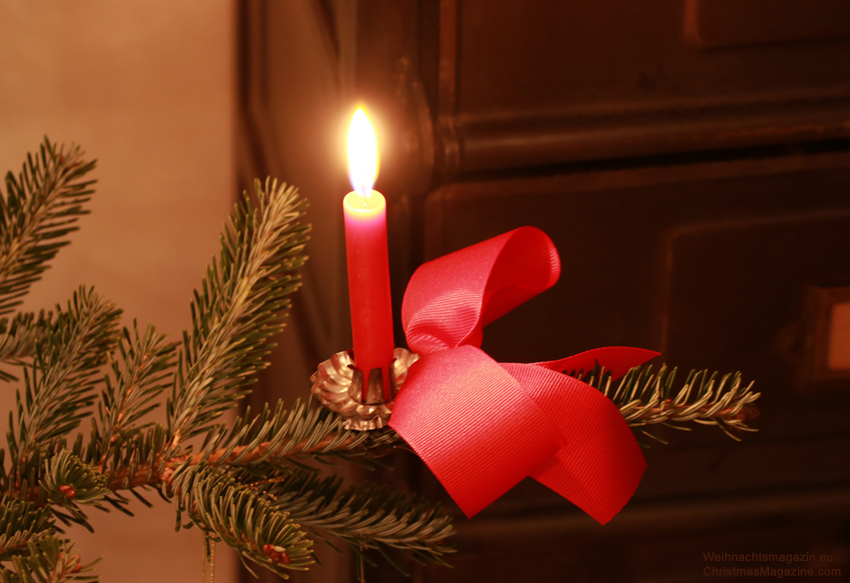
[646,397]
[142,371]
[311,433]
[231,512]
[19,337]
[59,385]
[23,523]
[239,308]
[366,516]
[41,207]
[48,560]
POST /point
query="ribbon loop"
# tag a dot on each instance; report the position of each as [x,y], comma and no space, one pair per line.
[449,300]
[482,426]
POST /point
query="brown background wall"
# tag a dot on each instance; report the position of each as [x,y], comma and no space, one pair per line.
[146,87]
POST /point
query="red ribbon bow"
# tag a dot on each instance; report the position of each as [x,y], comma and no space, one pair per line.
[482,426]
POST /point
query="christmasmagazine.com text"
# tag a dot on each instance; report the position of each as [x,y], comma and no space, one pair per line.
[769,565]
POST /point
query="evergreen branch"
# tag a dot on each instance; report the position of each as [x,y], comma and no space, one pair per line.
[19,337]
[366,516]
[280,438]
[275,436]
[646,398]
[47,560]
[235,514]
[138,459]
[21,523]
[142,372]
[40,209]
[243,295]
[59,385]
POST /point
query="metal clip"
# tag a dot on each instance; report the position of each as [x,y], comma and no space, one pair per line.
[338,385]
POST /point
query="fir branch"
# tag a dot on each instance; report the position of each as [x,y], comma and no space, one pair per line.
[276,438]
[58,388]
[141,372]
[138,459]
[365,516]
[19,337]
[21,523]
[646,398]
[244,520]
[239,308]
[40,209]
[280,435]
[48,560]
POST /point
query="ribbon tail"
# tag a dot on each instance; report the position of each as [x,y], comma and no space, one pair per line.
[599,465]
[601,490]
[617,359]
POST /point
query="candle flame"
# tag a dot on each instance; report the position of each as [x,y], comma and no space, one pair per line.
[362,154]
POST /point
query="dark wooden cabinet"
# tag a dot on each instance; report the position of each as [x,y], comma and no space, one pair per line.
[691,161]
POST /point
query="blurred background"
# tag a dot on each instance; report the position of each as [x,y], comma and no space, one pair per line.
[690,159]
[148,89]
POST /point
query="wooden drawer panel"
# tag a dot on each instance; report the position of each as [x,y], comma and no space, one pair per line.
[548,82]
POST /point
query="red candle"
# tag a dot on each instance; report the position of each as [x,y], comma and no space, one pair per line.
[367,258]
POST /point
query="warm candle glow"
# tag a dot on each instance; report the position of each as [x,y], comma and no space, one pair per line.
[367,258]
[362,154]
[371,207]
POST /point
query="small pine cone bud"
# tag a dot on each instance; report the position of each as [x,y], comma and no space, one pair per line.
[275,556]
[68,490]
[166,474]
[76,560]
